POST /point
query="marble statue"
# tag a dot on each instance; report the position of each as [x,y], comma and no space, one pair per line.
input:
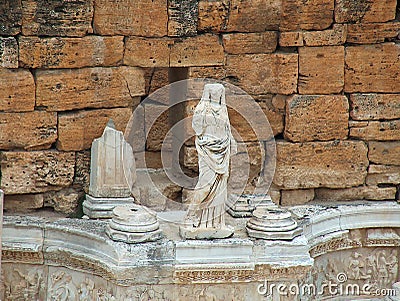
[214,145]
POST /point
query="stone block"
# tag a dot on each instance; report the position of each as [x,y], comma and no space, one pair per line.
[204,50]
[157,125]
[89,51]
[264,73]
[182,17]
[291,39]
[274,109]
[216,72]
[316,117]
[8,52]
[315,15]
[131,18]
[17,90]
[241,43]
[38,171]
[155,78]
[135,130]
[368,11]
[384,152]
[374,106]
[372,33]
[213,15]
[356,193]
[28,130]
[321,70]
[376,130]
[383,174]
[147,52]
[296,197]
[10,17]
[372,68]
[82,170]
[23,202]
[330,37]
[64,201]
[61,90]
[57,18]
[333,164]
[77,130]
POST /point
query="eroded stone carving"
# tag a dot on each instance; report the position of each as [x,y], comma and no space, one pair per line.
[112,174]
[214,145]
[24,284]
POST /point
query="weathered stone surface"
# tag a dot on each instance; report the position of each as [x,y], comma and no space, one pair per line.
[204,50]
[375,106]
[274,110]
[88,51]
[182,17]
[213,15]
[371,33]
[156,126]
[155,79]
[384,152]
[364,11]
[131,17]
[39,171]
[297,14]
[313,117]
[60,90]
[10,17]
[296,197]
[241,43]
[254,15]
[76,130]
[321,164]
[8,52]
[147,52]
[330,37]
[383,174]
[134,132]
[264,73]
[356,193]
[17,90]
[82,170]
[217,72]
[57,18]
[23,202]
[373,68]
[30,130]
[376,130]
[321,70]
[64,201]
[291,39]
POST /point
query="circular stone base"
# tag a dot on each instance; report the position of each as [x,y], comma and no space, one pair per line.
[133,238]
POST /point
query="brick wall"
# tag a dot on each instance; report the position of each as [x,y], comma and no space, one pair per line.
[325,72]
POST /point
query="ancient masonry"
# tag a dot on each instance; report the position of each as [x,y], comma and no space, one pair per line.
[325,72]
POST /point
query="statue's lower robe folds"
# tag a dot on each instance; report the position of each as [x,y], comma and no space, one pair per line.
[214,145]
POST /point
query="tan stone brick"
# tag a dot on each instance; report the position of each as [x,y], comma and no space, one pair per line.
[373,68]
[274,110]
[204,50]
[315,15]
[316,117]
[155,78]
[64,201]
[88,51]
[213,15]
[296,197]
[30,130]
[17,90]
[355,193]
[57,18]
[320,164]
[371,33]
[131,17]
[241,43]
[364,11]
[10,17]
[8,52]
[23,202]
[375,106]
[384,152]
[182,17]
[60,90]
[82,170]
[291,39]
[321,70]
[217,72]
[377,130]
[330,37]
[383,174]
[77,130]
[38,171]
[157,125]
[254,15]
[147,52]
[264,73]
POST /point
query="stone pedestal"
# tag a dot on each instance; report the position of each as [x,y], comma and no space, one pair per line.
[206,233]
[243,205]
[274,224]
[133,224]
[103,207]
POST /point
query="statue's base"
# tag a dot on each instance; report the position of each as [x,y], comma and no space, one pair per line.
[133,238]
[287,235]
[206,233]
[102,207]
